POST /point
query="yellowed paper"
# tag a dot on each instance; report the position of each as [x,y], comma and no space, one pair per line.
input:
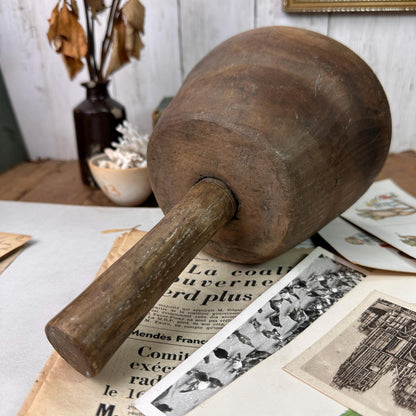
[9,242]
[366,362]
[9,248]
[206,296]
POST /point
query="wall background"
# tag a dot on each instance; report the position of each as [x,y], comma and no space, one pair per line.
[177,34]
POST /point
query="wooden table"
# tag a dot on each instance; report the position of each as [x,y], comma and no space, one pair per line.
[53,181]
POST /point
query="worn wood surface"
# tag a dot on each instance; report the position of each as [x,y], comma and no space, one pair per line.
[91,328]
[203,26]
[399,59]
[401,167]
[52,181]
[293,122]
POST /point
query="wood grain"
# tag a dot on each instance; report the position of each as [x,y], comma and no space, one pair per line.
[91,328]
[293,122]
[392,58]
[52,181]
[401,167]
[270,13]
[205,24]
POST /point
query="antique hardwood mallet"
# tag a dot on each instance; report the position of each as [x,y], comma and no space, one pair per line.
[273,134]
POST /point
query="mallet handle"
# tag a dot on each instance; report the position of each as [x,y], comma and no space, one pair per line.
[91,328]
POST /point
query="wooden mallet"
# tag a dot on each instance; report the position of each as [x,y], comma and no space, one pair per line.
[272,135]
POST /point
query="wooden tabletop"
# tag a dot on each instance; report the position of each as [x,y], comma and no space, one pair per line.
[53,181]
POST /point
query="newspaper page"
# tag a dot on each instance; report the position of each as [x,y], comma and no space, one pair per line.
[203,299]
[270,323]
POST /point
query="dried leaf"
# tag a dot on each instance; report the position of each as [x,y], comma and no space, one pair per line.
[134,46]
[75,44]
[129,43]
[58,43]
[73,65]
[118,56]
[68,37]
[96,6]
[53,23]
[133,12]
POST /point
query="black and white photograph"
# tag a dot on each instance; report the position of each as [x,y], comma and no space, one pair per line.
[288,308]
[367,362]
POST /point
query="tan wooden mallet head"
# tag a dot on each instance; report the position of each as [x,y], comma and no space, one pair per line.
[273,134]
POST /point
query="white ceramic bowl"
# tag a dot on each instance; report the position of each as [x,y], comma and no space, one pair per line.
[126,187]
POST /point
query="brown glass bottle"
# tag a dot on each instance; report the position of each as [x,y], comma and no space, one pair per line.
[96,119]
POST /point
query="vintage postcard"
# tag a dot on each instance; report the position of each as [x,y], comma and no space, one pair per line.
[368,361]
[267,325]
[389,213]
[364,249]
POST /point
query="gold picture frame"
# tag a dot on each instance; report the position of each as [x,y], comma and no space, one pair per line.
[346,6]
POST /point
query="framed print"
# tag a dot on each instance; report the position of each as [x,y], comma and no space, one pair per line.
[324,6]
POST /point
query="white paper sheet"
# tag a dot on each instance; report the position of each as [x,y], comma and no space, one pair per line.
[64,255]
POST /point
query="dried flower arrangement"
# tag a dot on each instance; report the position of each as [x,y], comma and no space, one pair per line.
[122,36]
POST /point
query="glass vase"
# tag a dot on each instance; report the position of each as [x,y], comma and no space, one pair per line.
[96,119]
